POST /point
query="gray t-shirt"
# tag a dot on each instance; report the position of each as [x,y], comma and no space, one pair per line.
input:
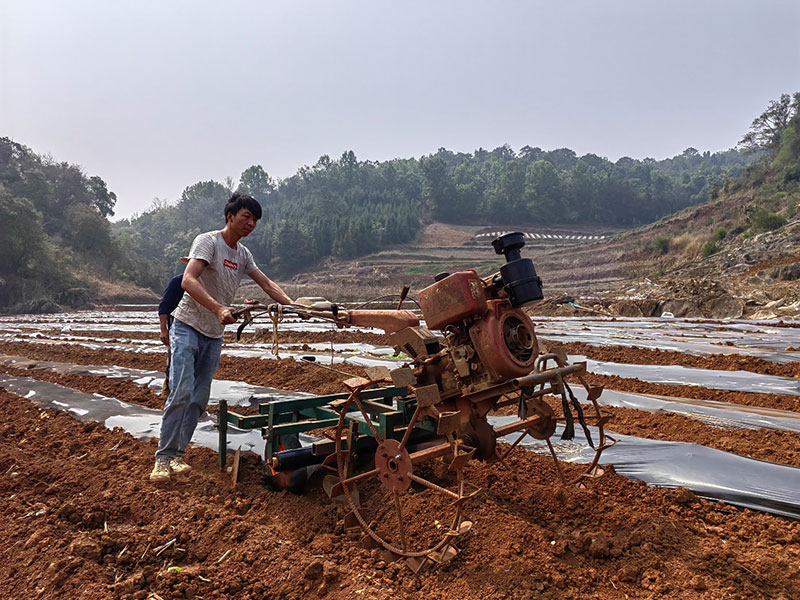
[224,270]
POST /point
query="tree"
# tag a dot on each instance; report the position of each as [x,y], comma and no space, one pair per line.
[437,186]
[765,131]
[257,182]
[202,205]
[544,192]
[104,200]
[21,232]
[88,232]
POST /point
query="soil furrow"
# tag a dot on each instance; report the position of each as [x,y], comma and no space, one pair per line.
[652,356]
[80,518]
[624,384]
[287,373]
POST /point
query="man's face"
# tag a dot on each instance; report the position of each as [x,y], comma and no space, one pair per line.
[243,222]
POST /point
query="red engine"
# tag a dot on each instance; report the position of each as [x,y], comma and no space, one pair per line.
[486,336]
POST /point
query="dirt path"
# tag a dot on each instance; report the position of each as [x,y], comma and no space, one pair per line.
[80,519]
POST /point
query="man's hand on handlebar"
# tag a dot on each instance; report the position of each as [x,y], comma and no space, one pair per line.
[225,315]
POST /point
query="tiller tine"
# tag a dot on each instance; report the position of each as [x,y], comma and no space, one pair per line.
[367,542]
[428,395]
[462,459]
[351,522]
[449,552]
[601,422]
[389,556]
[327,484]
[335,490]
[594,393]
[597,471]
[378,373]
[355,382]
[463,500]
[449,422]
[403,377]
[417,564]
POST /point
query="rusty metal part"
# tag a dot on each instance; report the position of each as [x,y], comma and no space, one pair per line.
[389,485]
[505,341]
[453,299]
[417,342]
[546,426]
[481,436]
[388,320]
[478,353]
[393,465]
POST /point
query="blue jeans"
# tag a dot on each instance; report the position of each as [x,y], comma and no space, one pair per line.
[194,359]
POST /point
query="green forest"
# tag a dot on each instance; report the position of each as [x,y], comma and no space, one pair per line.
[346,207]
[55,233]
[57,236]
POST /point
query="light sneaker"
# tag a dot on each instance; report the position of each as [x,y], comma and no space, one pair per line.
[179,466]
[160,472]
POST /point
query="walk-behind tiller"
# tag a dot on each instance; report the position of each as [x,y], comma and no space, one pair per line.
[399,443]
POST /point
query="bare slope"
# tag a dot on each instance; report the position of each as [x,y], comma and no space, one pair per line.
[625,273]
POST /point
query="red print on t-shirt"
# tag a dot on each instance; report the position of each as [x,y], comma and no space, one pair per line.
[230,264]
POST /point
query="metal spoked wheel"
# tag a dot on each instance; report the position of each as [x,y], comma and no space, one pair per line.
[396,501]
[546,428]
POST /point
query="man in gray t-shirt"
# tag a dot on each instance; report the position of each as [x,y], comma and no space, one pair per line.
[217,263]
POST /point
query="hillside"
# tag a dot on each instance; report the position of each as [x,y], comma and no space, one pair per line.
[58,249]
[735,256]
[346,209]
[751,277]
[345,227]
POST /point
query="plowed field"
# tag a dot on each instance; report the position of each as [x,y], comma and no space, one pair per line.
[80,519]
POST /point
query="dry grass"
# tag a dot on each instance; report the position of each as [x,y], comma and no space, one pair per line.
[688,245]
[119,291]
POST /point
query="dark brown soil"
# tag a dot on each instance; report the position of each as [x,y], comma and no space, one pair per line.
[285,373]
[648,356]
[80,519]
[623,384]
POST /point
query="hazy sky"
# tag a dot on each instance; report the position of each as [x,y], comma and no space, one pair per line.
[154,96]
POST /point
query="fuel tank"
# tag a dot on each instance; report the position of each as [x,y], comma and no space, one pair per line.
[453,299]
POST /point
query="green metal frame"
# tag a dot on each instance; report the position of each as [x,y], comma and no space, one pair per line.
[298,415]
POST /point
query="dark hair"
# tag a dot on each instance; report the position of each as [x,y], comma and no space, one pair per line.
[239,201]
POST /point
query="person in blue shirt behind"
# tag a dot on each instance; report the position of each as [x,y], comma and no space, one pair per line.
[169,302]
